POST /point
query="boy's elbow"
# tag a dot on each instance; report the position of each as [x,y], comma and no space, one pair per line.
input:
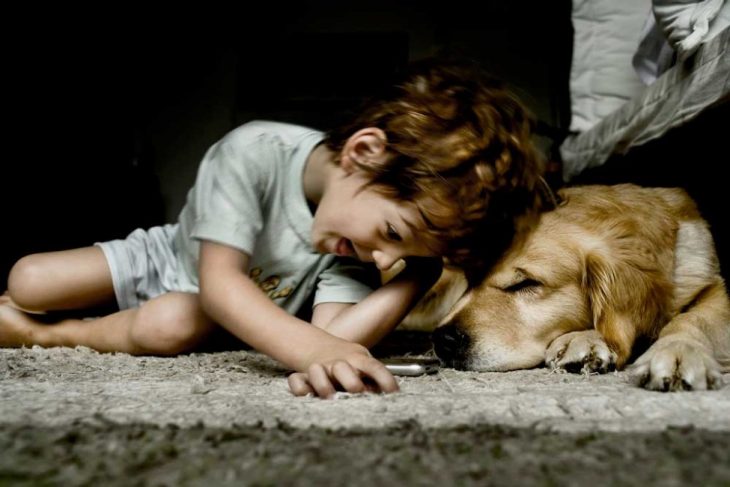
[325,315]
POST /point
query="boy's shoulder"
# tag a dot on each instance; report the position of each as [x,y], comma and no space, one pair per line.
[270,131]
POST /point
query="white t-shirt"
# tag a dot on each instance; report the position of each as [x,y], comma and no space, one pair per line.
[248,195]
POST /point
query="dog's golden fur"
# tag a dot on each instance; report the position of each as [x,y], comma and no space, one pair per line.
[609,265]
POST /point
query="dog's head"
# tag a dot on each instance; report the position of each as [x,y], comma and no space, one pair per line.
[574,271]
[532,296]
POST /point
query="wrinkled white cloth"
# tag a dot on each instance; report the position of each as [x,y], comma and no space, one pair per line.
[677,97]
[606,34]
[686,23]
[674,30]
[654,54]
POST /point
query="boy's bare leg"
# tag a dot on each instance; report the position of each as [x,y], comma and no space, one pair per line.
[106,334]
[65,280]
[166,325]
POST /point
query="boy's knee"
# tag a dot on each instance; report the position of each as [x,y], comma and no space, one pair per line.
[169,326]
[26,283]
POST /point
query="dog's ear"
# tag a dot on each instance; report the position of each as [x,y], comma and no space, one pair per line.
[625,301]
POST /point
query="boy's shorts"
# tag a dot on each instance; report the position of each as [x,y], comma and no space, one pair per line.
[143,265]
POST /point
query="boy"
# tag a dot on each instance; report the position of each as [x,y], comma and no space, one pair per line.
[278,211]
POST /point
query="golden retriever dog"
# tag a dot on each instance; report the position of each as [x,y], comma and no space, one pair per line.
[609,266]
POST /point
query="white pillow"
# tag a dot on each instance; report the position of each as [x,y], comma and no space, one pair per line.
[602,78]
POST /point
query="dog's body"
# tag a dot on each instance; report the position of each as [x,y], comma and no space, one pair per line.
[609,265]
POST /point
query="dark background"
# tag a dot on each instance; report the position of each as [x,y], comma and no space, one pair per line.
[111,111]
[108,113]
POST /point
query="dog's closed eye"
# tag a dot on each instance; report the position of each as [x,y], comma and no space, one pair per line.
[524,285]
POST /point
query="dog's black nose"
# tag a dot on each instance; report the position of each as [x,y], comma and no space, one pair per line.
[450,344]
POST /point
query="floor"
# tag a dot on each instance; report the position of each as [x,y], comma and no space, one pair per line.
[76,417]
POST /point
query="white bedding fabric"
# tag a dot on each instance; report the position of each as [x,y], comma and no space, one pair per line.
[602,78]
[654,55]
[686,23]
[678,96]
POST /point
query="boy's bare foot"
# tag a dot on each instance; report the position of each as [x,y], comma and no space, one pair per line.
[17,328]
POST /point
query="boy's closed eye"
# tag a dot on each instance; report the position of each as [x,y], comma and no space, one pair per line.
[392,233]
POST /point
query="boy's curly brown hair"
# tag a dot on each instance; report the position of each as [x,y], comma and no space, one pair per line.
[462,151]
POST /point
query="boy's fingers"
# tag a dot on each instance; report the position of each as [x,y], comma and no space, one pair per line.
[320,381]
[299,385]
[347,376]
[376,371]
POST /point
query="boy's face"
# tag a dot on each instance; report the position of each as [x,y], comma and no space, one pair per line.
[354,220]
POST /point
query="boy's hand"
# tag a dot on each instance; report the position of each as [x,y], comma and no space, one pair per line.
[353,371]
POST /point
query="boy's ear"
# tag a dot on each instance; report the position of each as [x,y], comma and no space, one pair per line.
[365,147]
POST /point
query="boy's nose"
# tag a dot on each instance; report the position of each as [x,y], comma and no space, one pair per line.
[383,260]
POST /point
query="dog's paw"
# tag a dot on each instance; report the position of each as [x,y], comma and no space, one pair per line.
[677,364]
[581,351]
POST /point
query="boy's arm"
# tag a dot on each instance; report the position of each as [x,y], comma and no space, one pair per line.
[234,301]
[375,316]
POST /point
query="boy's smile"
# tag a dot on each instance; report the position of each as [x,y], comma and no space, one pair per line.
[354,219]
[344,248]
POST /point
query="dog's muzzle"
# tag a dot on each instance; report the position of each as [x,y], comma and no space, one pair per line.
[451,345]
